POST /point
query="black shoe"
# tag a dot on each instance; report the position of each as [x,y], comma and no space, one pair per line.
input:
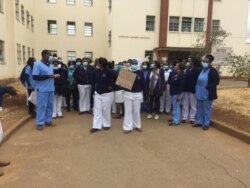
[183,121]
[94,130]
[68,109]
[197,125]
[191,122]
[205,128]
[170,120]
[106,128]
[80,113]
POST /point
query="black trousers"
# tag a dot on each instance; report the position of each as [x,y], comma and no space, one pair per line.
[74,94]
[31,106]
[154,102]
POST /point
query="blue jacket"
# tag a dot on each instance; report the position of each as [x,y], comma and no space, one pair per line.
[60,83]
[84,76]
[191,76]
[104,81]
[213,81]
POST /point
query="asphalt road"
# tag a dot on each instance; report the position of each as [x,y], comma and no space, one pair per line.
[68,156]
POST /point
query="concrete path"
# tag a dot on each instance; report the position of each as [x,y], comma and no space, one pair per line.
[68,156]
[232,83]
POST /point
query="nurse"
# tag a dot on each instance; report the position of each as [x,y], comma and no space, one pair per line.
[44,76]
[132,101]
[206,92]
[103,96]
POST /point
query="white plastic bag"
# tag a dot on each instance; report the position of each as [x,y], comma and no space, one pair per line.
[33,97]
[1,132]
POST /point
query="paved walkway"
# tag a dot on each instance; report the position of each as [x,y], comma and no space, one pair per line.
[68,156]
[232,83]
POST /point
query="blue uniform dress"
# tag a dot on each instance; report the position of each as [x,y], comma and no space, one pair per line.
[204,105]
[45,92]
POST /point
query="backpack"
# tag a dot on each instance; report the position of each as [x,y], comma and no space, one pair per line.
[22,75]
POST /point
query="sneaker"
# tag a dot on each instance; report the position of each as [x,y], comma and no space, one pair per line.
[149,116]
[106,128]
[93,130]
[156,117]
[205,128]
[126,132]
[60,116]
[138,129]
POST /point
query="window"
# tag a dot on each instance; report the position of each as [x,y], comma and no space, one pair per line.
[88,3]
[71,55]
[1,51]
[215,25]
[70,2]
[149,53]
[32,23]
[110,5]
[88,55]
[174,23]
[52,27]
[33,52]
[150,23]
[71,28]
[88,29]
[17,10]
[1,6]
[29,52]
[19,55]
[24,55]
[198,24]
[22,13]
[51,1]
[186,24]
[28,19]
[53,53]
[110,38]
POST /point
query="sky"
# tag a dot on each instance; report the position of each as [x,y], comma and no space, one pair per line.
[248,29]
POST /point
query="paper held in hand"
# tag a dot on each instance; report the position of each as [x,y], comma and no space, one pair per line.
[126,79]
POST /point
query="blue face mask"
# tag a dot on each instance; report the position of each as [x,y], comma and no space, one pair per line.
[71,67]
[133,67]
[166,67]
[205,65]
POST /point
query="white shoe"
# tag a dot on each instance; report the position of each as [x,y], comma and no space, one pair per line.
[149,116]
[156,117]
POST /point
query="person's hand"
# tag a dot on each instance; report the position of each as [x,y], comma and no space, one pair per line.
[56,76]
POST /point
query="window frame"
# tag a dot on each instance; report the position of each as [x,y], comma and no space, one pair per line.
[71,2]
[74,57]
[173,27]
[198,27]
[182,24]
[88,52]
[2,49]
[51,1]
[150,21]
[86,25]
[68,29]
[24,54]
[88,3]
[17,6]
[51,29]
[213,28]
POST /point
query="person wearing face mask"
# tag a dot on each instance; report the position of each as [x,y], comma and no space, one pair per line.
[71,87]
[146,75]
[30,84]
[44,76]
[84,77]
[156,88]
[177,84]
[132,101]
[206,92]
[60,87]
[165,100]
[78,63]
[103,97]
[189,102]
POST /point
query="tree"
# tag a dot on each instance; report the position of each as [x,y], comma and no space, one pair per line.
[240,66]
[217,38]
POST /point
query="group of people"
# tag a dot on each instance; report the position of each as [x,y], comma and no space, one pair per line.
[187,88]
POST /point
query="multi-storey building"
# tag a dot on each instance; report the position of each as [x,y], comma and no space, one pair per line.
[116,29]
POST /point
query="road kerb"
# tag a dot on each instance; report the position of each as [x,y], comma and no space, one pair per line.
[231,131]
[16,126]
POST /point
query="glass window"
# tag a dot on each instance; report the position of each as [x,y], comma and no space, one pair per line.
[70,2]
[186,24]
[150,23]
[22,13]
[51,1]
[29,52]
[28,19]
[71,28]
[88,55]
[88,3]
[33,52]
[149,53]
[24,55]
[17,10]
[71,55]
[2,51]
[198,24]
[19,55]
[110,38]
[52,27]
[110,5]
[32,23]
[174,23]
[88,29]
[215,25]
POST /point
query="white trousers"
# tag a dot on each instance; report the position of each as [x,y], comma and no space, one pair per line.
[84,97]
[189,106]
[132,105]
[102,110]
[165,100]
[57,105]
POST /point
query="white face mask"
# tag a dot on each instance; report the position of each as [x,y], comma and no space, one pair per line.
[85,63]
[144,66]
[50,58]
